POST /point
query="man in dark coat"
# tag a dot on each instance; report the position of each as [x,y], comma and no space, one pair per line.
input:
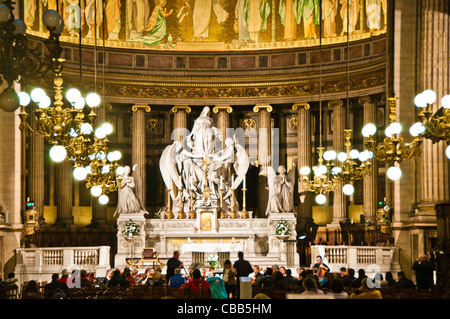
[403,282]
[172,264]
[54,286]
[243,269]
[424,272]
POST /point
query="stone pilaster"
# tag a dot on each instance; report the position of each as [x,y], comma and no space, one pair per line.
[339,198]
[180,113]
[304,159]
[63,193]
[264,152]
[370,181]
[139,147]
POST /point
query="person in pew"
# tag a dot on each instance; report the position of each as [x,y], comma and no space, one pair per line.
[310,286]
[390,279]
[278,282]
[337,289]
[118,280]
[229,279]
[290,280]
[267,279]
[366,291]
[56,288]
[157,280]
[31,291]
[404,282]
[424,272]
[349,277]
[196,282]
[358,281]
[177,279]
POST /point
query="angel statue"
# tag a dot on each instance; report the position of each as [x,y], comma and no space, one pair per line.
[281,190]
[129,196]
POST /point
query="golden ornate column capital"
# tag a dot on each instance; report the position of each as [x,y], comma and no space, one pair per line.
[335,103]
[298,106]
[392,103]
[137,107]
[175,109]
[227,108]
[268,108]
[364,99]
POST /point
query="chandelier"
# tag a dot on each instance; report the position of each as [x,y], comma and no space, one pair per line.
[435,127]
[18,62]
[394,150]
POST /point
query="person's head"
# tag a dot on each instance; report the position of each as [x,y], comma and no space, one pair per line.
[268,272]
[116,273]
[278,276]
[156,275]
[288,272]
[422,258]
[11,275]
[309,284]
[336,286]
[134,272]
[32,286]
[83,273]
[256,269]
[303,274]
[275,268]
[389,276]
[55,277]
[65,272]
[343,271]
[177,271]
[196,274]
[227,264]
[283,270]
[127,272]
[261,296]
[361,273]
[319,259]
[400,275]
[176,254]
[109,273]
[351,272]
[240,255]
[365,286]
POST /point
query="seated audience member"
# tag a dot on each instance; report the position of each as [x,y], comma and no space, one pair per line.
[337,289]
[278,282]
[11,282]
[56,289]
[310,286]
[64,276]
[348,279]
[31,291]
[147,278]
[283,270]
[390,279]
[177,280]
[157,280]
[128,276]
[403,282]
[197,282]
[290,280]
[267,279]
[366,291]
[302,277]
[84,280]
[118,280]
[361,275]
[256,273]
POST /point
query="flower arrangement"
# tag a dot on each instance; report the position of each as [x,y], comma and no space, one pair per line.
[213,261]
[282,228]
[131,228]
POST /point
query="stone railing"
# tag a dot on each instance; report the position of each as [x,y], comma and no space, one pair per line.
[40,263]
[372,259]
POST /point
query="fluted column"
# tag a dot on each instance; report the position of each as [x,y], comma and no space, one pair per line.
[36,170]
[434,68]
[370,181]
[139,147]
[304,159]
[264,152]
[180,128]
[223,119]
[339,198]
[63,193]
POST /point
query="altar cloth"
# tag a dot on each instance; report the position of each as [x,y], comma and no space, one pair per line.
[211,247]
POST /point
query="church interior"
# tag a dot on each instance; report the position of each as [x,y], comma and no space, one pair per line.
[283,129]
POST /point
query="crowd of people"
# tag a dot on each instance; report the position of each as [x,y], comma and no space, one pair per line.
[317,281]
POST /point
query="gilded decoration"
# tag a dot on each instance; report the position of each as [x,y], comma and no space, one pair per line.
[153,126]
[293,123]
[248,125]
[201,25]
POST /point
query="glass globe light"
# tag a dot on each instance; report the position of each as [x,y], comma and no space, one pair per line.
[429,96]
[336,170]
[93,100]
[73,133]
[103,199]
[101,155]
[100,133]
[348,189]
[369,130]
[394,173]
[354,154]
[45,102]
[20,27]
[96,191]
[363,156]
[445,102]
[305,170]
[79,103]
[321,199]
[5,13]
[58,153]
[388,131]
[24,98]
[321,170]
[105,169]
[88,169]
[118,155]
[447,152]
[395,128]
[37,94]
[51,18]
[60,28]
[9,100]
[420,100]
[79,173]
[86,128]
[107,128]
[342,157]
[120,170]
[72,95]
[417,129]
[329,155]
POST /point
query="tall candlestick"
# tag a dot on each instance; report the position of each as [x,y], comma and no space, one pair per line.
[221,182]
[244,182]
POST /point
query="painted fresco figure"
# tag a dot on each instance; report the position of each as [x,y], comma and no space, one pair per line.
[90,17]
[353,15]
[137,16]
[202,16]
[256,13]
[329,11]
[113,20]
[287,11]
[310,10]
[74,17]
[157,24]
[241,26]
[373,10]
